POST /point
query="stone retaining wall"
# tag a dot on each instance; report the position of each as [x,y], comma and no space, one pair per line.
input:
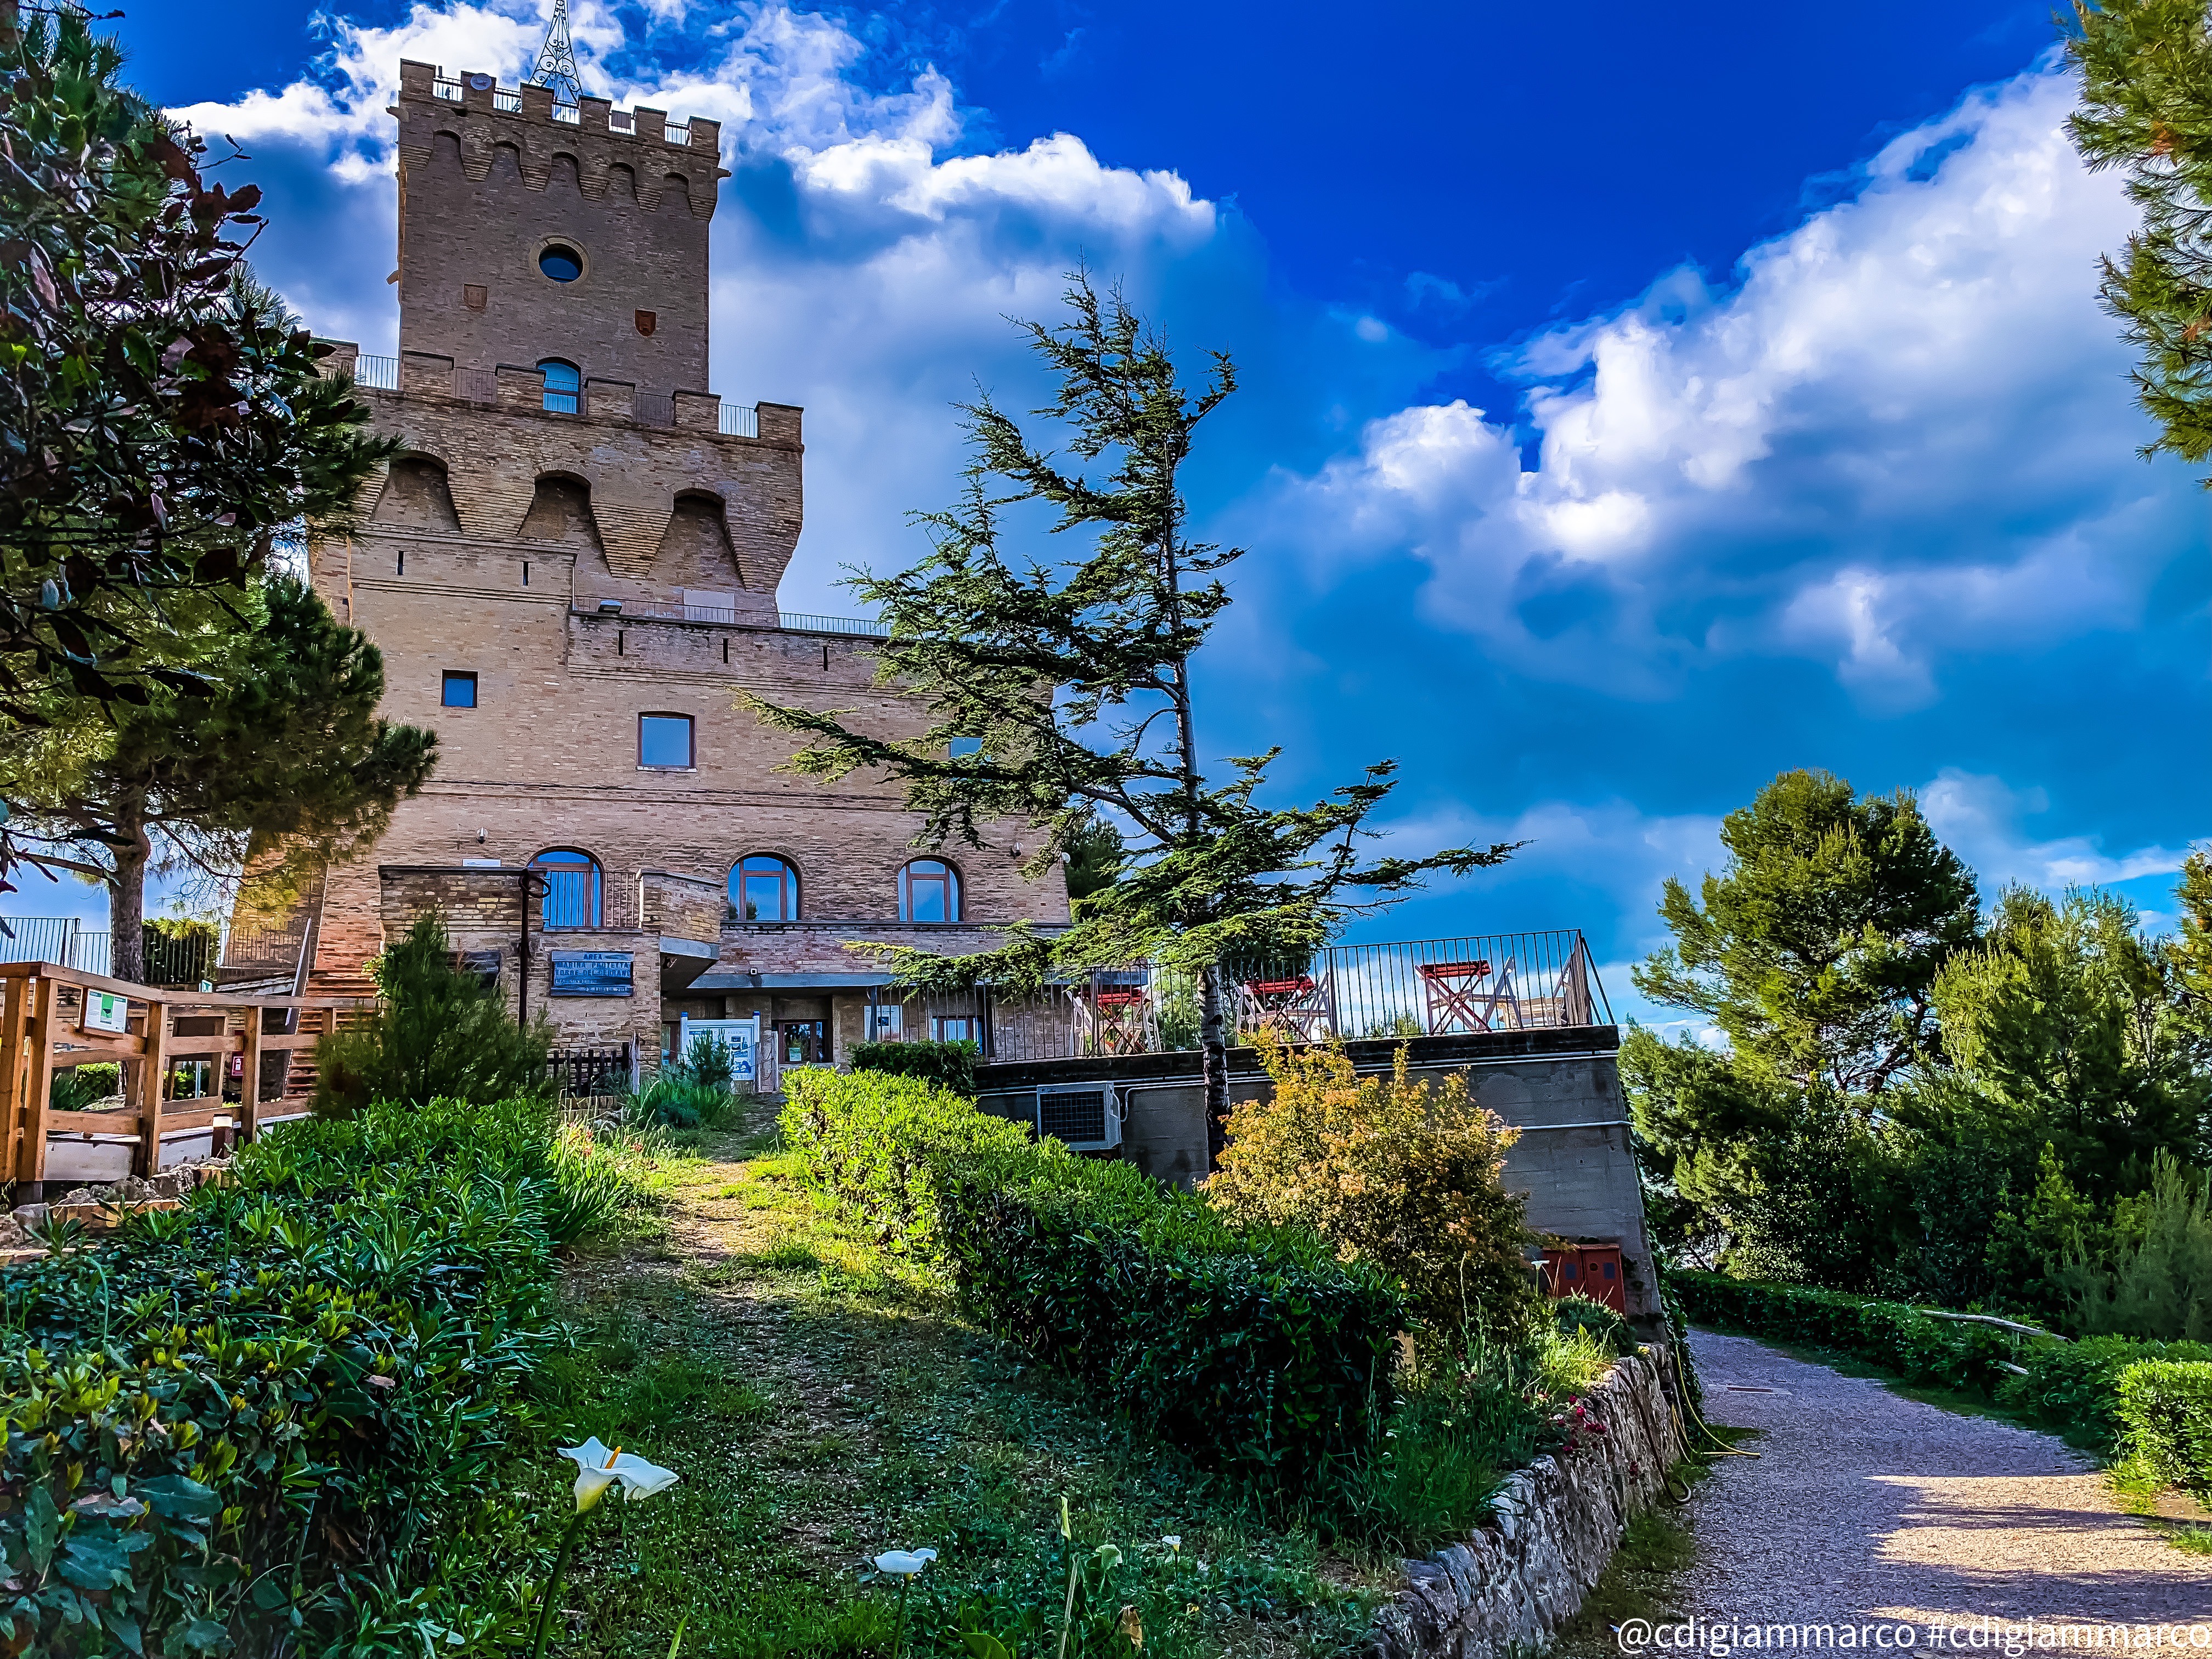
[1509,1588]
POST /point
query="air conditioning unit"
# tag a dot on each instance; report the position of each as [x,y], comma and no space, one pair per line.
[1084,1117]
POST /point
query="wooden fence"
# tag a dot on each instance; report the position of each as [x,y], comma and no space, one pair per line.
[189,1062]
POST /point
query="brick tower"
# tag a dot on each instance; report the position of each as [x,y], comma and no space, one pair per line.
[570,567]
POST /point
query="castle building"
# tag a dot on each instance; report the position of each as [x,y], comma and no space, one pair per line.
[571,568]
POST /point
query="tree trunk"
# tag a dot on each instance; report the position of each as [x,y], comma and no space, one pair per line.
[126,896]
[1213,1045]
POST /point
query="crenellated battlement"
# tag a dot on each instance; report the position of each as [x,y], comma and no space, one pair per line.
[602,141]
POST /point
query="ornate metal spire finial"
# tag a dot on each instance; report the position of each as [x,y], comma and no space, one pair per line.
[557,59]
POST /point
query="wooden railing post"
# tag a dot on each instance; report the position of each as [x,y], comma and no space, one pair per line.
[38,1090]
[153,1080]
[15,1020]
[249,1082]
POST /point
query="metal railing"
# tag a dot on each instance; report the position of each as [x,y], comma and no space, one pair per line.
[635,610]
[62,941]
[449,90]
[740,421]
[808,623]
[509,101]
[676,133]
[568,112]
[382,372]
[171,959]
[1423,988]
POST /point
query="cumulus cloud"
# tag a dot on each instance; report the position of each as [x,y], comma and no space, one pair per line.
[1900,432]
[1978,818]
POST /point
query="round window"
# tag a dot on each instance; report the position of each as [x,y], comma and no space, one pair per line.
[562,263]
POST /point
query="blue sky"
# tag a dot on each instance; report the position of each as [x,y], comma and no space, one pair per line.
[1637,403]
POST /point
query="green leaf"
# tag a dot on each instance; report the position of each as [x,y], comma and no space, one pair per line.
[179,1498]
[983,1645]
[42,1524]
[204,1635]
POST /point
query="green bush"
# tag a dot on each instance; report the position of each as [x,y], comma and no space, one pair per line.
[2166,1410]
[439,1034]
[949,1064]
[2072,1386]
[1253,1349]
[1610,1331]
[1948,1353]
[267,1414]
[2075,1385]
[74,1089]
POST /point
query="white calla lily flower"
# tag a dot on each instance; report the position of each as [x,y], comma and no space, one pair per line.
[599,1467]
[1173,1540]
[903,1564]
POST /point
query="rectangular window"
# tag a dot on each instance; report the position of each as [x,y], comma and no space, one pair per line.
[958,1029]
[460,689]
[664,740]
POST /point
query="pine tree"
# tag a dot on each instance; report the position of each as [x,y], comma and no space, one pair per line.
[1066,684]
[2147,109]
[285,760]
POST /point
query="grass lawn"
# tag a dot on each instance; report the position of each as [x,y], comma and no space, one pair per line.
[825,1402]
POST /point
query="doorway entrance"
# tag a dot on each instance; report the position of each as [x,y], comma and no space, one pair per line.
[802,1042]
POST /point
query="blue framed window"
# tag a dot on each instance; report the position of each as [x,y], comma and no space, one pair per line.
[763,887]
[929,891]
[664,740]
[561,262]
[574,889]
[564,385]
[460,689]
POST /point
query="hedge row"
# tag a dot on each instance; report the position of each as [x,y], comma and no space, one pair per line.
[1253,1350]
[2165,1408]
[259,1414]
[2073,1386]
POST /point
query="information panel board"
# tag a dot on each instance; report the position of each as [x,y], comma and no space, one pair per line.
[591,973]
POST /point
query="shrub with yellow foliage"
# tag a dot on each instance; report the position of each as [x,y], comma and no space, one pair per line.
[1400,1174]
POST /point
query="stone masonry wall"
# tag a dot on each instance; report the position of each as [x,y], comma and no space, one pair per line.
[482,189]
[1507,1590]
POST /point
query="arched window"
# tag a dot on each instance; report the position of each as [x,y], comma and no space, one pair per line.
[929,891]
[763,887]
[564,385]
[572,887]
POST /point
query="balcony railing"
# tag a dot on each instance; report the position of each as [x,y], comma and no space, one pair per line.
[449,90]
[568,112]
[801,622]
[509,101]
[675,134]
[382,372]
[740,421]
[1426,987]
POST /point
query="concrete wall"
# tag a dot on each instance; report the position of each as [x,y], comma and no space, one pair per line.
[1560,1088]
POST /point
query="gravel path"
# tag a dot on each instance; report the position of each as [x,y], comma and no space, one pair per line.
[1866,1505]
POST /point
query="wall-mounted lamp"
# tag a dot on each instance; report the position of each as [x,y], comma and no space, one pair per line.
[610,607]
[480,838]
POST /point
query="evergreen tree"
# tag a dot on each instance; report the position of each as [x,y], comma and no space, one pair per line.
[285,760]
[1070,680]
[1815,950]
[440,1033]
[1814,953]
[2066,1021]
[2147,109]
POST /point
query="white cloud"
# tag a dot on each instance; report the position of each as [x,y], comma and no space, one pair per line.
[1977,817]
[1903,432]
